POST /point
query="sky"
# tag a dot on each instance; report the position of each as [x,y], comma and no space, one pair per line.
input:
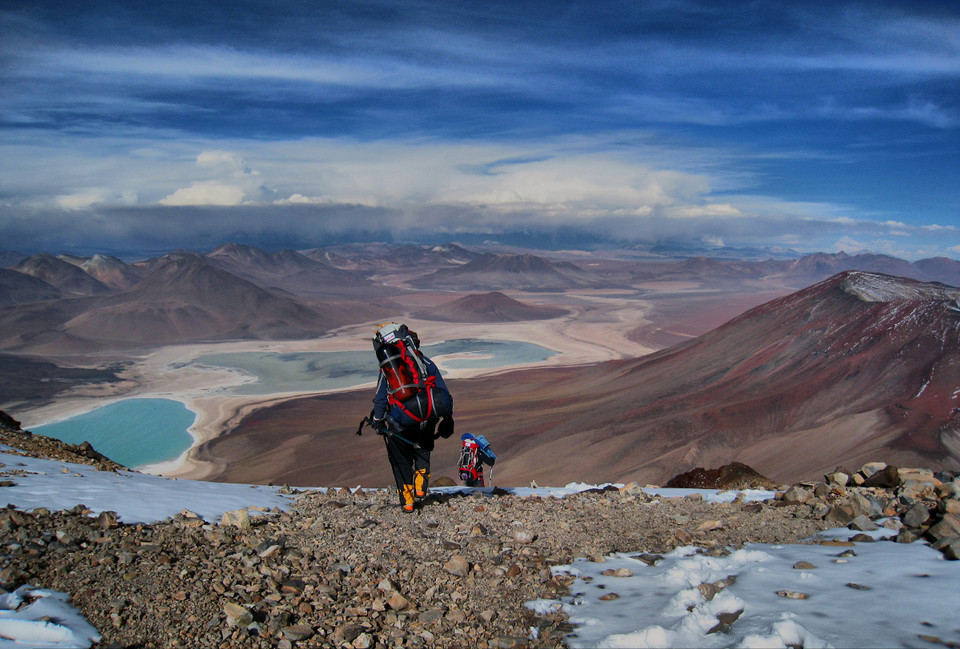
[146,127]
[847,588]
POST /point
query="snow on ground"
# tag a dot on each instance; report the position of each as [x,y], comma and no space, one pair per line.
[884,595]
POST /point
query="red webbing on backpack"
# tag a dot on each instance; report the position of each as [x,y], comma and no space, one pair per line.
[429,383]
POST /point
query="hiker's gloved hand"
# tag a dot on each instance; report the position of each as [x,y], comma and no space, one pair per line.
[445,428]
[378,425]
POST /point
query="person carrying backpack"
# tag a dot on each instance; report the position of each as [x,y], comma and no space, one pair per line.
[411,400]
[474,453]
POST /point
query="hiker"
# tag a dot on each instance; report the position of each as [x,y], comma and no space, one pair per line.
[474,453]
[411,400]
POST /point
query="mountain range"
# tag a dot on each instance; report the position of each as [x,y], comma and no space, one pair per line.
[861,365]
[180,297]
[66,303]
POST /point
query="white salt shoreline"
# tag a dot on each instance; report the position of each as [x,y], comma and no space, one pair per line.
[166,373]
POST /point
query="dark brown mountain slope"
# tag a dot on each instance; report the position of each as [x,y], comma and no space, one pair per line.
[183,298]
[111,271]
[62,274]
[291,271]
[489,307]
[18,288]
[940,269]
[858,367]
[189,299]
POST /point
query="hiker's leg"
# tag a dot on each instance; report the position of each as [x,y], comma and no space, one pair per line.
[421,473]
[401,461]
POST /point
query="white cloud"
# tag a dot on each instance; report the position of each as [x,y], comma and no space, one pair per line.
[300,199]
[96,196]
[225,161]
[205,193]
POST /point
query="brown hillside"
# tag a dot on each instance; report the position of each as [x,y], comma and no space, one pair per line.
[489,307]
[861,366]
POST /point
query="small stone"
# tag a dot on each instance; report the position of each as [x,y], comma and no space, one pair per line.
[107,520]
[950,547]
[683,536]
[804,565]
[840,515]
[862,523]
[387,585]
[347,632]
[916,516]
[237,615]
[708,591]
[886,478]
[798,494]
[398,602]
[906,536]
[792,594]
[631,489]
[237,518]
[270,552]
[363,641]
[609,597]
[619,572]
[524,536]
[947,527]
[297,632]
[836,479]
[871,468]
[857,586]
[725,621]
[709,526]
[430,615]
[457,565]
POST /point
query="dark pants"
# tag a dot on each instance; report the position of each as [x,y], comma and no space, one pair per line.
[406,457]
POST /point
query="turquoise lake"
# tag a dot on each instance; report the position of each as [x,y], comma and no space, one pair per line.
[307,371]
[137,432]
[133,432]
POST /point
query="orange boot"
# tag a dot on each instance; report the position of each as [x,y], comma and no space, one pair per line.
[420,480]
[406,497]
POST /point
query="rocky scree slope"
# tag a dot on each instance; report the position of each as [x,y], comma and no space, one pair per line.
[348,569]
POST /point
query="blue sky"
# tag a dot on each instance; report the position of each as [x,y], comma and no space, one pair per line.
[132,127]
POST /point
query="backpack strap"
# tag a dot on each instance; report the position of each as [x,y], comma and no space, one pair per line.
[418,370]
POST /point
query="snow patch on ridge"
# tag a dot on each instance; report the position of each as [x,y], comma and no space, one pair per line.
[873,287]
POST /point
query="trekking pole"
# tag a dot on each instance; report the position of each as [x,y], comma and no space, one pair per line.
[366,420]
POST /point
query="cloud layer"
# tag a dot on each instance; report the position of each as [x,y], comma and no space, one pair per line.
[813,126]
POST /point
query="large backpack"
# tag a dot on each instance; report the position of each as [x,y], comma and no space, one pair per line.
[411,391]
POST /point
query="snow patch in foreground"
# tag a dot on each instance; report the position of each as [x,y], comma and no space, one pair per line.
[884,594]
[41,618]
